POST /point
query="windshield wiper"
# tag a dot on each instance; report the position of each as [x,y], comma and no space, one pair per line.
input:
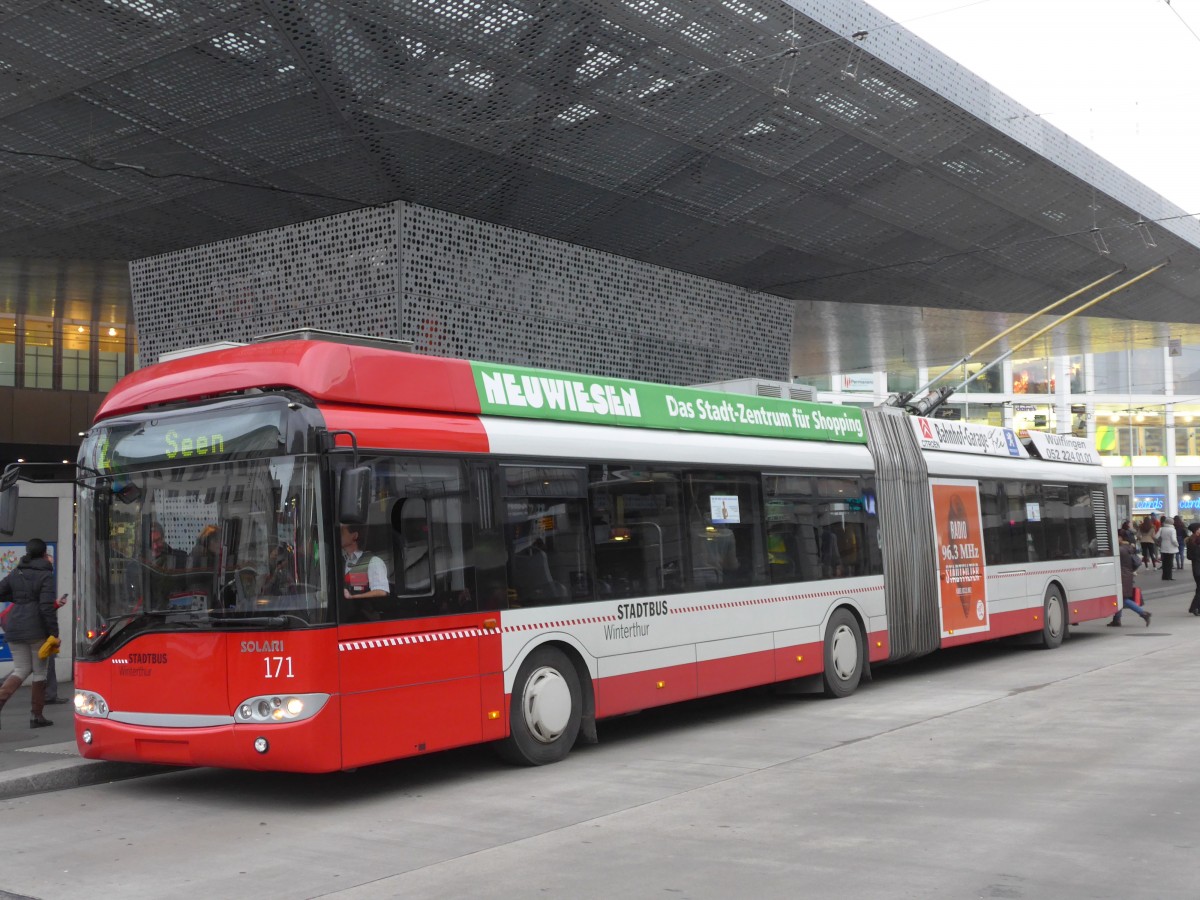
[286,620]
[124,620]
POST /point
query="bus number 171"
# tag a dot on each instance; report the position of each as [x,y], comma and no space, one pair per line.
[279,666]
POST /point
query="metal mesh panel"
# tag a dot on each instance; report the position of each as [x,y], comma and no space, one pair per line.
[479,290]
[338,273]
[461,287]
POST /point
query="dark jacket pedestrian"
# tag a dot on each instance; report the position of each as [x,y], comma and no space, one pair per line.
[32,619]
[1129,564]
[1192,548]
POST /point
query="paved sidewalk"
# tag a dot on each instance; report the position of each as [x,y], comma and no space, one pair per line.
[33,760]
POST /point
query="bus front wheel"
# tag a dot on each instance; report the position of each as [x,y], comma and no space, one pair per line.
[844,654]
[1054,618]
[546,710]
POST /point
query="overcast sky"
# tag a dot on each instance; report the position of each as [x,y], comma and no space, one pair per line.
[1120,76]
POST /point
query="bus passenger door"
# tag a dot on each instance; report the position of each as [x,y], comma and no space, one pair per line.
[412,656]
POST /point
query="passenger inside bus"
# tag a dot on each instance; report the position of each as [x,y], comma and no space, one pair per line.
[206,554]
[281,572]
[831,557]
[165,564]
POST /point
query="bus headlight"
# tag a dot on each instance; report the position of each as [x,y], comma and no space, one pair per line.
[89,703]
[279,708]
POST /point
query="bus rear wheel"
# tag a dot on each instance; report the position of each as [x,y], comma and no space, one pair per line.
[546,710]
[1054,618]
[844,654]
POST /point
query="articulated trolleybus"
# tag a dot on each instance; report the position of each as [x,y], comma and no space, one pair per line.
[314,554]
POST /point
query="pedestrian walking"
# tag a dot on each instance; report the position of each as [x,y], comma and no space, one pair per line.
[1145,536]
[1129,564]
[1193,554]
[31,620]
[1181,536]
[1169,549]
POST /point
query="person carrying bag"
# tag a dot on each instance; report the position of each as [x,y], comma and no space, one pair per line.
[1129,564]
[31,620]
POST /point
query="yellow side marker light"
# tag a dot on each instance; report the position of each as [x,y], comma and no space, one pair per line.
[493,714]
[799,659]
[660,684]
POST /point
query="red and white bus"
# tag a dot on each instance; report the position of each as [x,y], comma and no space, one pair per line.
[540,550]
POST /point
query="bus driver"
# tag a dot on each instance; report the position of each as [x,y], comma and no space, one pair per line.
[366,573]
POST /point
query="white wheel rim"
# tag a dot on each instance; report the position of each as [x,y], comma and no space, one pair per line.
[843,653]
[1054,614]
[546,704]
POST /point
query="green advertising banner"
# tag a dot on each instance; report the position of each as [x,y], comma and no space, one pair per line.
[561,396]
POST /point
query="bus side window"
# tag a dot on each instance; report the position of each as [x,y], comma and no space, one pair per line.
[1082,522]
[637,531]
[545,529]
[793,549]
[411,548]
[725,534]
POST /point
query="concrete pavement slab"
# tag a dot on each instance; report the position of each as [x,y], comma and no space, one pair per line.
[46,759]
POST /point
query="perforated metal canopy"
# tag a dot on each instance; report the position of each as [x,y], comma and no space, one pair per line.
[813,150]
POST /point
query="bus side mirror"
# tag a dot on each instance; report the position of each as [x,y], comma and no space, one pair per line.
[354,495]
[9,495]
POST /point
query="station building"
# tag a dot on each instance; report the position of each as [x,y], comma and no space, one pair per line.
[675,190]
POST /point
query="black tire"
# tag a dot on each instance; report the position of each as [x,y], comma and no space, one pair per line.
[547,706]
[1054,618]
[845,654]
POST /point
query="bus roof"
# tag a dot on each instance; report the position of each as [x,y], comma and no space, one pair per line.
[371,376]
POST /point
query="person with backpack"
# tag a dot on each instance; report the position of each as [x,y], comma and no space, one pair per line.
[31,620]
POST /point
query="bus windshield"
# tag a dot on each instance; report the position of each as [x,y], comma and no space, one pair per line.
[206,545]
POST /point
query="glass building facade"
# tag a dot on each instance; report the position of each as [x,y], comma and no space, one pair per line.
[66,337]
[1140,407]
